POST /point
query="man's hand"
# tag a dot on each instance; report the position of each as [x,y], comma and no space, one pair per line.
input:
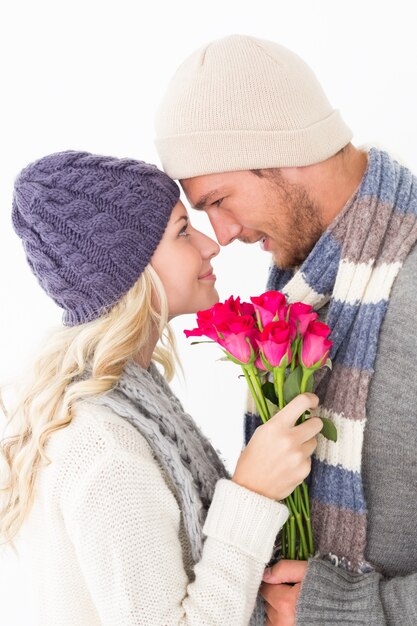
[281,597]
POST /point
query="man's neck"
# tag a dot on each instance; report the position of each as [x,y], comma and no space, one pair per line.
[336,180]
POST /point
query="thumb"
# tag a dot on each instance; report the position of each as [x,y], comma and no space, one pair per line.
[292,411]
[285,571]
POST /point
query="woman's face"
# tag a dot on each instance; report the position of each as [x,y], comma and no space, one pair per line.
[183,263]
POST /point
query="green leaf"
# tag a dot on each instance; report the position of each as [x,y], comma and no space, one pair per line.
[292,386]
[195,343]
[269,392]
[273,408]
[328,364]
[329,429]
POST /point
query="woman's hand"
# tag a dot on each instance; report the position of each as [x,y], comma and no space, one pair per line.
[278,456]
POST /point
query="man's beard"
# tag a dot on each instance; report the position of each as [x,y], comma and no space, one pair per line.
[303,224]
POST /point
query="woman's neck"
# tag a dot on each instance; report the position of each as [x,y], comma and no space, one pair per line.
[144,356]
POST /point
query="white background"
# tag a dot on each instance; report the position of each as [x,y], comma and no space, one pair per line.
[88,75]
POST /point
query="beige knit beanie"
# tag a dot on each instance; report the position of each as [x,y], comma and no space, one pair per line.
[243,103]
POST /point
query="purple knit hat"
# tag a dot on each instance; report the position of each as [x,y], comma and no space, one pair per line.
[90,225]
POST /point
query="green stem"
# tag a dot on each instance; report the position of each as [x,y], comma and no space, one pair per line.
[279,376]
[257,385]
[254,395]
[304,508]
[296,513]
[297,498]
[306,499]
[294,354]
[306,375]
[306,502]
[299,502]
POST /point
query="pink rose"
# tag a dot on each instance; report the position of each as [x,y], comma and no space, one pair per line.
[241,308]
[300,316]
[239,337]
[210,320]
[271,306]
[315,346]
[206,324]
[275,343]
[232,325]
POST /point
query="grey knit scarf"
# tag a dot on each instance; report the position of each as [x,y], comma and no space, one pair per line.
[145,400]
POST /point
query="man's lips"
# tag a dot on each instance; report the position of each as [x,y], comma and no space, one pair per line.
[261,240]
[251,241]
[265,243]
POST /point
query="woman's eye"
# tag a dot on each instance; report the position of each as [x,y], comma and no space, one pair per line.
[217,203]
[183,232]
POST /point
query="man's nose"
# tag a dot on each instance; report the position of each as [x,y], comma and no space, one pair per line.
[225,228]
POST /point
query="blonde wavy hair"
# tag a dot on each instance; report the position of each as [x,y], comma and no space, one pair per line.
[46,402]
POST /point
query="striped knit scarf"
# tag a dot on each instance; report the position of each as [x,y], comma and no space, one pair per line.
[353,267]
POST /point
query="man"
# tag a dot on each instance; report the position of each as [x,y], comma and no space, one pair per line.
[247,129]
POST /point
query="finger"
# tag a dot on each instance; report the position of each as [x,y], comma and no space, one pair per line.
[273,617]
[309,446]
[275,594]
[281,602]
[301,403]
[286,571]
[296,591]
[308,429]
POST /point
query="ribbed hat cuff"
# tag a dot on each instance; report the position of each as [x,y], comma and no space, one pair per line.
[196,154]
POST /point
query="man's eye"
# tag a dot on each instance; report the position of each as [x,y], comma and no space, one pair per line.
[217,203]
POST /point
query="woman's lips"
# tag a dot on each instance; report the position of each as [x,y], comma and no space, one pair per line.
[208,276]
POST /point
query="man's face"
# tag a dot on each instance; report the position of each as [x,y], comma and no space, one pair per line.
[267,206]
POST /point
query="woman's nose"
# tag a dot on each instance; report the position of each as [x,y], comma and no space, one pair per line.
[208,247]
[215,248]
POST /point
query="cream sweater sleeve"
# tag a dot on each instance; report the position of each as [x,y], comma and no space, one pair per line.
[124,523]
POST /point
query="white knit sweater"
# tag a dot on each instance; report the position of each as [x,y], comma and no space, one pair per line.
[105,542]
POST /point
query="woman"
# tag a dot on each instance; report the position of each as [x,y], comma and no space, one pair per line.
[111,483]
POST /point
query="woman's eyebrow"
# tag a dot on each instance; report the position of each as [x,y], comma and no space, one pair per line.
[183,217]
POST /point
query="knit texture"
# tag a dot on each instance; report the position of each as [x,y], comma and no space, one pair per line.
[353,267]
[243,103]
[188,458]
[90,225]
[108,541]
[388,595]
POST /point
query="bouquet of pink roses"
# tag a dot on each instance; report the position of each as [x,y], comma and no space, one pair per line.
[278,346]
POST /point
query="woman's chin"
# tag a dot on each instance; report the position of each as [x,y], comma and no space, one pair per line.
[207,302]
[215,298]
[201,305]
